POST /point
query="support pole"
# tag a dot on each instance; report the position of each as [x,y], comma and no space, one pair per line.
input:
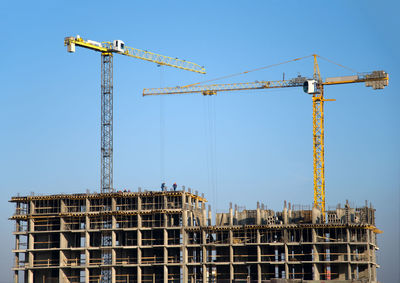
[106,122]
[319,151]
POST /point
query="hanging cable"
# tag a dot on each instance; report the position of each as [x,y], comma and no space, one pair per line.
[214,168]
[246,72]
[162,129]
[340,65]
[209,111]
[206,137]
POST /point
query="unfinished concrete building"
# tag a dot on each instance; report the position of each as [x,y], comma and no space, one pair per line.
[169,237]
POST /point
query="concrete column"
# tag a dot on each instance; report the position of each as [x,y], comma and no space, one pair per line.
[209,220]
[165,217]
[197,200]
[17,247]
[31,207]
[235,217]
[139,238]
[190,200]
[315,215]
[113,273]
[139,272]
[113,255]
[63,259]
[113,204]
[86,275]
[286,261]
[285,214]
[184,216]
[62,224]
[139,221]
[231,269]
[349,271]
[139,253]
[204,253]
[190,216]
[31,225]
[165,233]
[113,234]
[204,217]
[315,255]
[230,214]
[63,241]
[314,235]
[139,203]
[184,256]
[165,270]
[30,257]
[87,205]
[369,255]
[316,272]
[184,273]
[183,200]
[204,271]
[373,242]
[30,276]
[62,206]
[62,278]
[87,240]
[165,202]
[16,279]
[30,240]
[87,256]
[258,217]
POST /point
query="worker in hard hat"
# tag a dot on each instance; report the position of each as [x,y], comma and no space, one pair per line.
[174,186]
[163,187]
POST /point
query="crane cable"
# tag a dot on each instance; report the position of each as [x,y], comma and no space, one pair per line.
[209,111]
[340,65]
[269,66]
[162,128]
[246,72]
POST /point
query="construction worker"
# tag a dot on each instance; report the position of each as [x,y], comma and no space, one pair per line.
[163,187]
[174,186]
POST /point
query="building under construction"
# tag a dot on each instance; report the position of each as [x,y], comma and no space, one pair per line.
[153,236]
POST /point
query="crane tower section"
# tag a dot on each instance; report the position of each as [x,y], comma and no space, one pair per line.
[107,49]
[106,122]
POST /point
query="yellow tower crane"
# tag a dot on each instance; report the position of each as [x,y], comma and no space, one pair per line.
[107,49]
[315,87]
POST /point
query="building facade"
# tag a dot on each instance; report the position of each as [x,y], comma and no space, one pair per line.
[169,237]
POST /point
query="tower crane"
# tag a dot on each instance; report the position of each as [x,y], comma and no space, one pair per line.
[313,86]
[107,49]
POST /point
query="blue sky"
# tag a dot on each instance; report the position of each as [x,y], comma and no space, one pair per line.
[252,144]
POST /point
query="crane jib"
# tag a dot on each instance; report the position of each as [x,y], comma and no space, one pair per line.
[226,87]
